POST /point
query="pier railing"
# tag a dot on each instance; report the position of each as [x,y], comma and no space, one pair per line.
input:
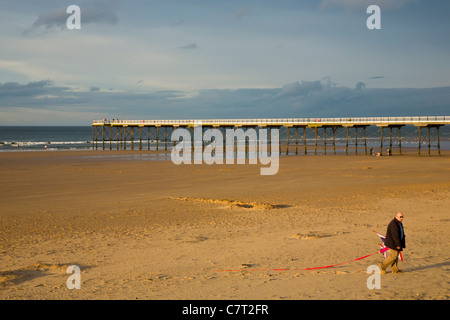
[285,121]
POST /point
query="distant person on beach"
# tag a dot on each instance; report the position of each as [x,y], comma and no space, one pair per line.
[395,241]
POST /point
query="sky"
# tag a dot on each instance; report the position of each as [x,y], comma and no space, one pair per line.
[199,59]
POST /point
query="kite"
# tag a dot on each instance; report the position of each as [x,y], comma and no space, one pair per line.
[382,246]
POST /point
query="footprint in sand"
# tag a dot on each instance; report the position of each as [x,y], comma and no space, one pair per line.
[235,203]
[199,239]
[309,236]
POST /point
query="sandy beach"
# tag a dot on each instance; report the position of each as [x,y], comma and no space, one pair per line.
[142,229]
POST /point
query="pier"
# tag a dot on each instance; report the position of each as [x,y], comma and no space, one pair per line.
[116,134]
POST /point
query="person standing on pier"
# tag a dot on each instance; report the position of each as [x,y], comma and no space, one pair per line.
[395,241]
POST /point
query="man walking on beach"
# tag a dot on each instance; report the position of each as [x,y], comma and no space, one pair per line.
[395,241]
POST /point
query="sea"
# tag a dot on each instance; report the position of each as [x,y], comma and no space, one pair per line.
[56,138]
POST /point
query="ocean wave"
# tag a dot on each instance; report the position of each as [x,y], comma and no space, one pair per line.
[31,144]
[36,143]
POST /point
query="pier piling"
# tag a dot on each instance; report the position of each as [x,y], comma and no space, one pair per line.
[116,131]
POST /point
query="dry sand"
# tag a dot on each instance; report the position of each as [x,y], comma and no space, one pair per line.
[154,230]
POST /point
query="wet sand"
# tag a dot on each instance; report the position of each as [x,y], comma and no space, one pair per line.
[143,229]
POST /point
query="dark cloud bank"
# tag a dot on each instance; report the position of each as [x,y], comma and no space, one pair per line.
[294,100]
[96,12]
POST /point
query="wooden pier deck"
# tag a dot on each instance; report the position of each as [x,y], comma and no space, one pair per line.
[122,132]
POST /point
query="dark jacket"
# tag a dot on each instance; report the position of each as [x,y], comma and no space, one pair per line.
[393,235]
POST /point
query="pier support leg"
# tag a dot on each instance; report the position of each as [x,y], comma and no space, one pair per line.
[381,142]
[124,138]
[246,145]
[132,138]
[110,138]
[346,143]
[356,140]
[429,142]
[325,141]
[315,143]
[296,140]
[390,141]
[157,137]
[287,141]
[334,141]
[215,142]
[93,138]
[420,139]
[96,139]
[103,137]
[279,141]
[365,141]
[192,139]
[438,141]
[400,140]
[203,141]
[224,146]
[174,142]
[117,134]
[165,138]
[304,140]
[140,138]
[269,134]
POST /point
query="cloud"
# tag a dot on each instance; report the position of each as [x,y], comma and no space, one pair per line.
[241,13]
[54,18]
[377,77]
[15,89]
[360,86]
[189,46]
[35,95]
[178,23]
[95,12]
[299,89]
